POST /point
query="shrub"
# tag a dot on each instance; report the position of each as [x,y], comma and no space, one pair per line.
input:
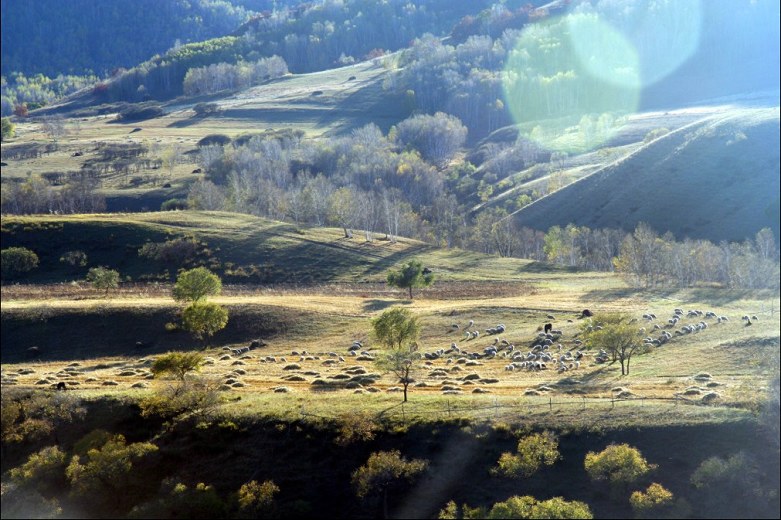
[177,251]
[177,364]
[533,451]
[180,501]
[196,284]
[103,278]
[529,507]
[356,427]
[173,204]
[17,260]
[199,397]
[204,319]
[44,470]
[205,109]
[652,501]
[256,500]
[140,112]
[74,258]
[619,464]
[383,470]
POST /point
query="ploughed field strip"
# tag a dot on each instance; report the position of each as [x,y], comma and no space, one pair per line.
[702,357]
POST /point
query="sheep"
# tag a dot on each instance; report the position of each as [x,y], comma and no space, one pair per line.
[724,318]
[678,311]
[754,317]
[469,325]
[455,326]
[557,333]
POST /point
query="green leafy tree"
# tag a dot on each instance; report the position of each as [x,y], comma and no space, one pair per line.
[43,471]
[617,335]
[256,500]
[384,470]
[17,260]
[177,364]
[398,330]
[35,415]
[103,278]
[180,501]
[533,451]
[196,284]
[651,503]
[104,478]
[521,507]
[204,319]
[619,464]
[8,128]
[412,274]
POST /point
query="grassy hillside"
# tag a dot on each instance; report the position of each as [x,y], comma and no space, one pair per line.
[716,178]
[243,248]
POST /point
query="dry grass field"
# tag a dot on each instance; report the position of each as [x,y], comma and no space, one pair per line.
[307,368]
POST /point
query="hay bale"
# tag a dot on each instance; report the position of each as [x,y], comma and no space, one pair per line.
[365,358]
[339,377]
[231,380]
[240,372]
[470,377]
[140,384]
[702,376]
[295,378]
[310,373]
[473,363]
[362,391]
[531,391]
[449,387]
[238,363]
[452,392]
[352,385]
[74,364]
[714,384]
[456,369]
[394,389]
[422,384]
[292,366]
[543,388]
[110,383]
[43,382]
[127,373]
[281,390]
[225,357]
[225,388]
[489,380]
[480,391]
[625,394]
[373,390]
[91,380]
[692,390]
[238,384]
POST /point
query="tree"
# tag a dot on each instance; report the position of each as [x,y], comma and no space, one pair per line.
[342,209]
[256,500]
[533,451]
[397,329]
[178,364]
[620,464]
[8,128]
[529,507]
[195,284]
[204,319]
[75,258]
[412,274]
[44,471]
[617,335]
[103,278]
[15,260]
[383,470]
[106,476]
[651,502]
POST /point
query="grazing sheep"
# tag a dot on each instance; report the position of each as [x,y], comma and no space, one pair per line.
[754,317]
[470,324]
[724,318]
[550,316]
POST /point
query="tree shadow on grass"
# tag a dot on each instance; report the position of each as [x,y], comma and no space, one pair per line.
[378,305]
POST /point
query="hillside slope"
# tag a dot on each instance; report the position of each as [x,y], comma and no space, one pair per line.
[717,179]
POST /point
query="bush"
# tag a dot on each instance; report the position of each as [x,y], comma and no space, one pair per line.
[530,507]
[43,471]
[173,204]
[256,500]
[619,464]
[177,364]
[180,501]
[140,112]
[533,451]
[205,109]
[74,258]
[652,501]
[17,260]
[177,251]
[103,278]
[199,397]
[204,319]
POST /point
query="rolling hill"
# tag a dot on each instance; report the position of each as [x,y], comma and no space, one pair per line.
[716,178]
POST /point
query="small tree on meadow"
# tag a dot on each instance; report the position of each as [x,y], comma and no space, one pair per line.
[196,284]
[384,470]
[256,500]
[103,278]
[204,319]
[398,330]
[177,364]
[615,333]
[412,274]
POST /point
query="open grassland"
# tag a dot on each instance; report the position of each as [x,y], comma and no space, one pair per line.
[88,342]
